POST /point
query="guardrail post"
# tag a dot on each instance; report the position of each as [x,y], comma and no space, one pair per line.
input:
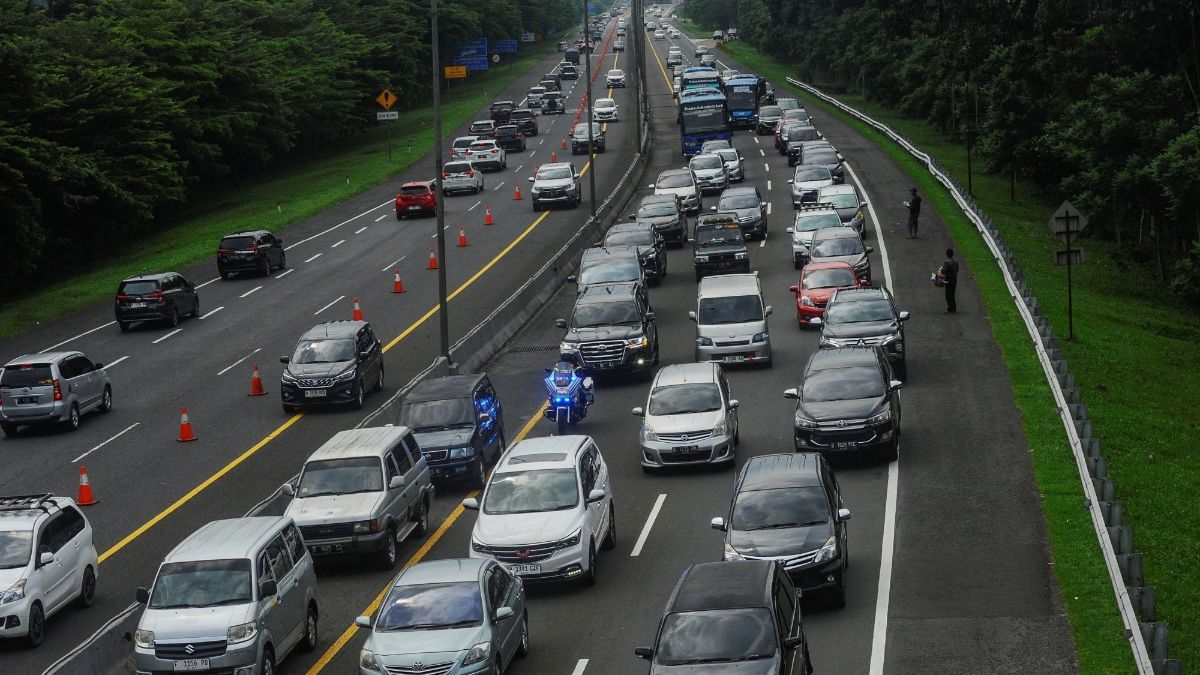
[1121,537]
[1131,568]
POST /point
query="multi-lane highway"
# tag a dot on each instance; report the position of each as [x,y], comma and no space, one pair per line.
[949,566]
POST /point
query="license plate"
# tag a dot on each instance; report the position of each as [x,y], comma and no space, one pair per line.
[685,449]
[326,549]
[137,305]
[604,366]
[191,664]
[734,358]
[414,208]
[844,445]
[525,570]
[27,400]
[314,393]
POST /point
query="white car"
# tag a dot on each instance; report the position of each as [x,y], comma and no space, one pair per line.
[711,174]
[458,149]
[487,153]
[675,34]
[660,35]
[616,78]
[547,510]
[682,184]
[461,176]
[605,110]
[36,581]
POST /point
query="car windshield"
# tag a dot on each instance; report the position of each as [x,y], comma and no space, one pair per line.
[15,548]
[581,130]
[531,492]
[554,172]
[457,167]
[595,314]
[729,309]
[727,154]
[685,399]
[537,91]
[137,287]
[826,158]
[657,210]
[844,200]
[481,126]
[674,180]
[829,278]
[463,142]
[863,310]
[425,416]
[610,270]
[340,477]
[843,384]
[787,104]
[202,583]
[716,636]
[807,174]
[324,351]
[814,223]
[630,238]
[779,508]
[738,202]
[606,103]
[414,190]
[431,607]
[770,111]
[707,162]
[717,236]
[839,246]
[616,73]
[26,375]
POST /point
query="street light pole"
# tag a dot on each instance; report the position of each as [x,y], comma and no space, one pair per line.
[587,72]
[443,316]
[637,82]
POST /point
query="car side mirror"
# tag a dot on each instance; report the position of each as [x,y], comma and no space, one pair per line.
[815,321]
[639,412]
[843,514]
[142,595]
[791,181]
[768,310]
[734,403]
[287,490]
[644,652]
[285,359]
[692,316]
[862,205]
[793,289]
[596,495]
[712,208]
[651,186]
[531,179]
[791,393]
[471,504]
[895,384]
[717,524]
[363,622]
[503,613]
[267,589]
[869,249]
[904,316]
[790,230]
[572,279]
[45,558]
[792,642]
[560,323]
[396,483]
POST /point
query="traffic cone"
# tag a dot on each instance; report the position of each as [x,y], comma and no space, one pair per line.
[462,238]
[553,156]
[256,385]
[517,194]
[185,427]
[358,315]
[564,143]
[85,497]
[397,285]
[487,216]
[432,259]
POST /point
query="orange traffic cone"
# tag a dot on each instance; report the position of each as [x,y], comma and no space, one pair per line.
[256,386]
[564,143]
[462,238]
[433,265]
[517,194]
[185,427]
[397,285]
[85,497]
[358,315]
[553,156]
[487,216]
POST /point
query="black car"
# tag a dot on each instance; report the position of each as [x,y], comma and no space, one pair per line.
[459,424]
[866,316]
[731,617]
[793,138]
[747,204]
[579,138]
[848,402]
[526,120]
[788,508]
[500,111]
[552,103]
[768,115]
[155,297]
[826,157]
[651,249]
[509,137]
[666,215]
[569,72]
[611,330]
[719,246]
[334,362]
[572,55]
[605,265]
[252,251]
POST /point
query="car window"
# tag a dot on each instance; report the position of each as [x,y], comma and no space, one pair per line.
[72,525]
[829,278]
[780,508]
[729,309]
[49,539]
[390,468]
[141,287]
[785,608]
[402,460]
[531,491]
[66,368]
[340,476]
[365,341]
[294,542]
[205,583]
[263,568]
[865,310]
[587,474]
[281,560]
[838,246]
[26,375]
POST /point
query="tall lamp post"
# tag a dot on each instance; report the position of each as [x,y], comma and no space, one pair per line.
[587,72]
[443,316]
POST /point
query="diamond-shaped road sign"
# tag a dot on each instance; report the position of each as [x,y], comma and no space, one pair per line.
[1067,219]
[386,99]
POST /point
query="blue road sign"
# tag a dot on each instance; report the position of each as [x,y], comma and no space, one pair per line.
[470,51]
[478,42]
[472,63]
[504,46]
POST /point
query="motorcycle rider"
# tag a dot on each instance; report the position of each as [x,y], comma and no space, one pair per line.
[566,374]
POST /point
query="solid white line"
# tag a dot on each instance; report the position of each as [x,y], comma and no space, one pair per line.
[287,272]
[641,540]
[211,312]
[331,229]
[119,434]
[227,368]
[580,667]
[378,219]
[208,282]
[340,297]
[474,205]
[340,242]
[498,186]
[167,336]
[86,332]
[252,290]
[314,257]
[768,186]
[110,365]
[883,252]
[391,267]
[364,227]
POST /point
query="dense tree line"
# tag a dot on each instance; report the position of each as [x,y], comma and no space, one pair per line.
[115,114]
[1094,99]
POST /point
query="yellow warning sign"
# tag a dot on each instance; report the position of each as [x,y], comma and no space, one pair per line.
[453,72]
[386,99]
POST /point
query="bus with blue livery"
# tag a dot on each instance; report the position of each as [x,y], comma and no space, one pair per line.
[742,93]
[703,116]
[699,77]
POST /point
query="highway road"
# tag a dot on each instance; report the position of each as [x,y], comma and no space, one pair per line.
[949,565]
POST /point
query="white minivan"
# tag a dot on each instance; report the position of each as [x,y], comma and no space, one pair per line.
[731,320]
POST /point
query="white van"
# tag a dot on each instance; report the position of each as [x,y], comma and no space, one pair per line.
[731,320]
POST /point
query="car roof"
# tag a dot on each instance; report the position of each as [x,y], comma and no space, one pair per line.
[610,291]
[827,265]
[44,357]
[723,585]
[228,538]
[684,373]
[443,388]
[418,183]
[838,233]
[598,254]
[554,165]
[654,199]
[23,511]
[782,470]
[468,139]
[367,442]
[442,571]
[342,328]
[725,285]
[246,233]
[154,276]
[741,190]
[718,218]
[844,189]
[545,452]
[842,357]
[862,293]
[630,226]
[675,172]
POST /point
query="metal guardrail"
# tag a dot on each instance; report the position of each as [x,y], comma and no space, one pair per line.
[1146,636]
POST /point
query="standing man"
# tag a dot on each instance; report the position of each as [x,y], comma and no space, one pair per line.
[949,273]
[914,210]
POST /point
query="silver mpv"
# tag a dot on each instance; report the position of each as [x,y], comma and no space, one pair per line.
[689,418]
[51,388]
[731,320]
[237,597]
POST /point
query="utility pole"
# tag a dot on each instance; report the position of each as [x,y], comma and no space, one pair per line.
[443,315]
[634,26]
[587,72]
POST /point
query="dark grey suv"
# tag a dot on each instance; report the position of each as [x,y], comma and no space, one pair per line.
[334,362]
[612,330]
[459,423]
[155,297]
[867,317]
[255,251]
[651,249]
[666,215]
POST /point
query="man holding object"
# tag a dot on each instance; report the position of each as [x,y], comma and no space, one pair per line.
[914,210]
[949,274]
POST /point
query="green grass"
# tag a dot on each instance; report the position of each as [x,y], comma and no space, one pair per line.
[301,191]
[1135,359]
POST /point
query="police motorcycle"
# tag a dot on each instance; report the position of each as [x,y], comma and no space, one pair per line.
[569,394]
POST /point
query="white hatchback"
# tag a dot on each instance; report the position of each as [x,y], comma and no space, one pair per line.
[605,110]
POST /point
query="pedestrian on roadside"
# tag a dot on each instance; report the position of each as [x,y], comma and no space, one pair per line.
[914,210]
[949,274]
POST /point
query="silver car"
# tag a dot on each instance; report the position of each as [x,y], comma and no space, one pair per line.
[449,617]
[689,418]
[844,199]
[809,219]
[807,181]
[734,164]
[51,388]
[461,177]
[534,97]
[731,320]
[711,174]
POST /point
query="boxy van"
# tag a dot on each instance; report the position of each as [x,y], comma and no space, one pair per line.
[731,320]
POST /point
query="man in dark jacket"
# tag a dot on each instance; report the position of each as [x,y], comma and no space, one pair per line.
[949,273]
[914,211]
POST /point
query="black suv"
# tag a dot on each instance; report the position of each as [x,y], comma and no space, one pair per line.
[849,402]
[458,423]
[499,111]
[253,251]
[742,615]
[866,316]
[509,137]
[606,265]
[579,138]
[793,138]
[719,245]
[155,297]
[526,120]
[666,215]
[334,362]
[611,330]
[788,508]
[651,249]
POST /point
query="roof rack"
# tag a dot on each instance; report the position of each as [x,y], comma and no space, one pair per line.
[42,502]
[816,206]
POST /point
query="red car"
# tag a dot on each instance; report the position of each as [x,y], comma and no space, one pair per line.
[818,281]
[417,197]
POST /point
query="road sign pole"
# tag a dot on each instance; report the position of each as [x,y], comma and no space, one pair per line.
[443,315]
[1070,304]
[587,72]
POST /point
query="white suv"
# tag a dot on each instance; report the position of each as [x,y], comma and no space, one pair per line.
[486,153]
[47,561]
[547,510]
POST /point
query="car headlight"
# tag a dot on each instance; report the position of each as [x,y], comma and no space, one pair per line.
[480,548]
[701,258]
[13,594]
[807,301]
[364,526]
[288,377]
[721,428]
[348,375]
[881,417]
[803,422]
[480,652]
[704,342]
[638,342]
[760,337]
[826,552]
[731,553]
[571,541]
[144,638]
[366,660]
[568,347]
[241,632]
[648,433]
[460,453]
[741,256]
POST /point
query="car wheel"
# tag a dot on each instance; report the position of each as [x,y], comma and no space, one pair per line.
[225,276]
[87,589]
[267,667]
[536,206]
[195,307]
[283,260]
[589,577]
[478,473]
[124,325]
[265,268]
[379,382]
[386,558]
[173,319]
[311,636]
[523,646]
[610,539]
[37,625]
[797,264]
[422,520]
[360,395]
[9,430]
[398,216]
[106,400]
[73,418]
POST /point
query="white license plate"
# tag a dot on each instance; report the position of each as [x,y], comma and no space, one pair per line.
[414,208]
[137,305]
[191,664]
[314,393]
[524,570]
[735,358]
[844,445]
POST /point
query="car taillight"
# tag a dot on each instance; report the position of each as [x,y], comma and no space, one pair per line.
[495,151]
[471,173]
[122,298]
[57,390]
[224,250]
[445,175]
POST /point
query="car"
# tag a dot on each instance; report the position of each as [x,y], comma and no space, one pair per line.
[482,129]
[572,55]
[250,251]
[793,136]
[604,110]
[555,77]
[550,84]
[788,104]
[562,46]
[740,616]
[788,508]
[731,320]
[734,163]
[708,59]
[459,425]
[809,220]
[826,157]
[417,197]
[710,172]
[236,596]
[675,34]
[607,265]
[533,98]
[750,208]
[580,139]
[807,181]
[729,74]
[651,248]
[621,32]
[818,282]
[164,296]
[500,110]
[866,316]
[568,71]
[845,244]
[52,389]
[681,183]
[488,153]
[458,149]
[555,183]
[664,213]
[510,138]
[48,562]
[547,510]
[844,199]
[461,177]
[386,467]
[674,57]
[689,418]
[616,78]
[714,145]
[333,363]
[612,328]
[660,35]
[526,120]
[473,610]
[782,127]
[718,36]
[718,245]
[552,103]
[701,51]
[768,116]
[618,46]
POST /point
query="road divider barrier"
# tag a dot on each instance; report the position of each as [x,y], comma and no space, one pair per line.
[85,496]
[256,385]
[462,238]
[358,314]
[397,285]
[186,435]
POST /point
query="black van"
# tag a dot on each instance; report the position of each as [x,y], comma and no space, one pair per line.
[572,55]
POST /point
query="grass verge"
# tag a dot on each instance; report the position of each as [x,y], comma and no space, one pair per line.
[274,201]
[1132,361]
